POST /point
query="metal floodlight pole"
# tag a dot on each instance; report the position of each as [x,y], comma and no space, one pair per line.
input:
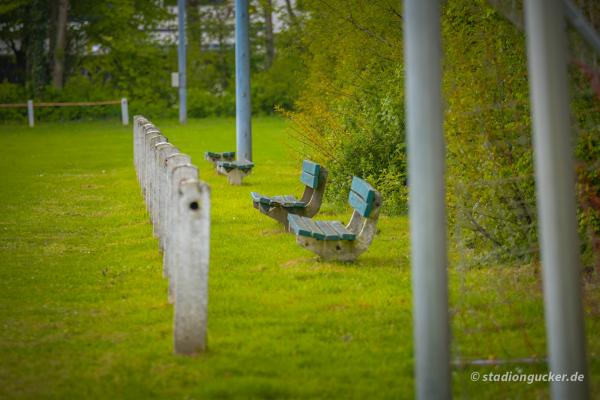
[555,182]
[243,108]
[426,165]
[182,62]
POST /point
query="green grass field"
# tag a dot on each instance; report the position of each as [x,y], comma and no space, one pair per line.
[83,305]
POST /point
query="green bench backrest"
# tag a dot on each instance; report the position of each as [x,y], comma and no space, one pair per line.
[310,174]
[362,196]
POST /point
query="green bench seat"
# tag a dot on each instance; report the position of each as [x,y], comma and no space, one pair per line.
[331,240]
[321,230]
[214,157]
[314,177]
[278,201]
[231,165]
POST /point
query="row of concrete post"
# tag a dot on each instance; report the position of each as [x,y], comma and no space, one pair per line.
[178,204]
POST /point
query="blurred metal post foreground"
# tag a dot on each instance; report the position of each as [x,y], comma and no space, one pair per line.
[426,165]
[555,182]
[182,62]
[243,110]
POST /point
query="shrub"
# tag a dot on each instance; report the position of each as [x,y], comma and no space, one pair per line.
[12,93]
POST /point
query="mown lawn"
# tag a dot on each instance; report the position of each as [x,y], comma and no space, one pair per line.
[83,305]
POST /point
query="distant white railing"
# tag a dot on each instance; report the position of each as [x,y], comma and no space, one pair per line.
[179,208]
[30,107]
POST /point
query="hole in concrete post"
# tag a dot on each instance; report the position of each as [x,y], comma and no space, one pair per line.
[194,205]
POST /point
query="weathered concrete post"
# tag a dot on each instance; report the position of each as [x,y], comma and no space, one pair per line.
[172,162]
[148,130]
[426,165]
[151,170]
[151,135]
[30,113]
[191,288]
[124,112]
[158,149]
[163,153]
[180,174]
[138,132]
[243,108]
[555,185]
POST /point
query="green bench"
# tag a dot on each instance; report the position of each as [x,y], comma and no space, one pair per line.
[331,240]
[234,170]
[314,177]
[214,157]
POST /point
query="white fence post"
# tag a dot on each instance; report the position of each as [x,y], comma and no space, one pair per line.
[164,155]
[193,246]
[148,129]
[30,113]
[162,150]
[138,129]
[150,134]
[151,168]
[171,162]
[124,112]
[180,174]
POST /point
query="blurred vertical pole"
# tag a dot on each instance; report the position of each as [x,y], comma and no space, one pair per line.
[124,111]
[555,182]
[243,108]
[182,63]
[30,113]
[426,165]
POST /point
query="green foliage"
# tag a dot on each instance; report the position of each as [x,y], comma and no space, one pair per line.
[277,86]
[202,103]
[491,195]
[12,93]
[350,112]
[587,120]
[350,117]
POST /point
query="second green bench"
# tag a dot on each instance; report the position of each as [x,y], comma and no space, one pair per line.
[314,177]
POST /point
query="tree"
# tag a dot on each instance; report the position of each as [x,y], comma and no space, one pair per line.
[60,30]
[267,7]
[35,38]
[13,19]
[194,26]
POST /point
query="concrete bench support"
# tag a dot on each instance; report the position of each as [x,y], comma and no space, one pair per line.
[235,171]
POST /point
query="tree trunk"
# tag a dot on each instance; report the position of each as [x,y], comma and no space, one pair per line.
[37,33]
[58,68]
[291,13]
[194,26]
[269,39]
